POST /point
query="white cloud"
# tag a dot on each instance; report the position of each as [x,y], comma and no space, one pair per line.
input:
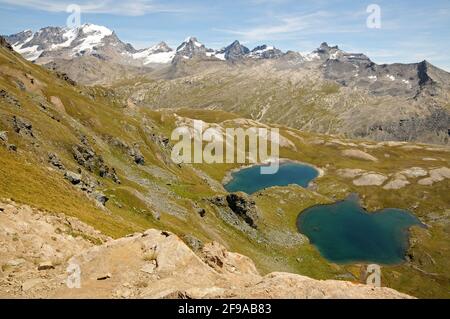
[293,26]
[116,7]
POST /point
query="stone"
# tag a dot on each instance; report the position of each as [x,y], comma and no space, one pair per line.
[357,154]
[73,178]
[16,262]
[104,277]
[414,172]
[398,182]
[12,148]
[101,198]
[436,175]
[55,161]
[201,212]
[137,155]
[4,136]
[370,179]
[149,268]
[193,242]
[46,265]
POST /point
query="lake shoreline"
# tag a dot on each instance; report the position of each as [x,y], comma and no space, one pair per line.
[324,250]
[229,175]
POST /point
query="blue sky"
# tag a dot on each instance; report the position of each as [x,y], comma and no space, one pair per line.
[411,30]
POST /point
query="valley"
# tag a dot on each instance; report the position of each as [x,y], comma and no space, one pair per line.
[95,162]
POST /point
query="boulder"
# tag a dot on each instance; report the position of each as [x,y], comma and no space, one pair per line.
[201,212]
[193,242]
[370,179]
[46,265]
[12,148]
[4,136]
[55,161]
[101,198]
[72,177]
[137,155]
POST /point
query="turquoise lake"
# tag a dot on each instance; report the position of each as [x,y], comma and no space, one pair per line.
[346,233]
[250,180]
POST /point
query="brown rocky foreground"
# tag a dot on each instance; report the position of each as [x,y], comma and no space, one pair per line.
[40,251]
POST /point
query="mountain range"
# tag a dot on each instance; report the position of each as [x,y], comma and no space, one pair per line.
[93,40]
[327,91]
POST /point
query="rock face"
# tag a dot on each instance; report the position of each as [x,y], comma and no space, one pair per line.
[235,51]
[244,207]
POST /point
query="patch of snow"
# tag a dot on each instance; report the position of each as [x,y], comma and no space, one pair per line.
[390,77]
[372,77]
[70,35]
[258,53]
[160,58]
[30,53]
[334,56]
[310,56]
[94,36]
[17,46]
[220,56]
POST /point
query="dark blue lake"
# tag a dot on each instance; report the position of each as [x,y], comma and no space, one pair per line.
[250,180]
[346,233]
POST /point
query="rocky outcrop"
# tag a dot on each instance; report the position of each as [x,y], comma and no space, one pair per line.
[22,126]
[4,136]
[8,98]
[370,179]
[54,160]
[87,158]
[137,156]
[154,264]
[244,207]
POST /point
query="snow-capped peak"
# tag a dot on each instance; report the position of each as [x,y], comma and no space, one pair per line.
[99,30]
[265,52]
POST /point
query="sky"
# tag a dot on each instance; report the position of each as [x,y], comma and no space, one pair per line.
[409,30]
